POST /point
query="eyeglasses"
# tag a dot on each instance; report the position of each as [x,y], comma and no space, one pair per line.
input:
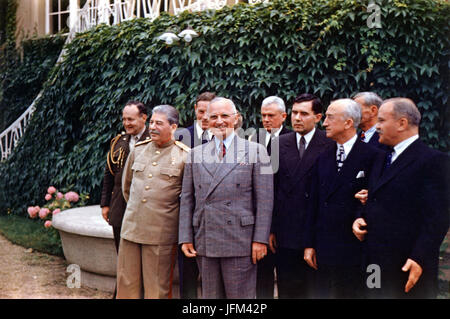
[223,116]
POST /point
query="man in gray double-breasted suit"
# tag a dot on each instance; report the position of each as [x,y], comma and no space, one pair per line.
[226,207]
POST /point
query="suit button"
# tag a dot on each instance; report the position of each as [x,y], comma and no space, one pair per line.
[325,204]
[306,195]
[144,200]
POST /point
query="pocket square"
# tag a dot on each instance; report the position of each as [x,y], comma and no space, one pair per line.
[360,174]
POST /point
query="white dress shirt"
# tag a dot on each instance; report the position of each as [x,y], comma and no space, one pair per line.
[308,137]
[369,133]
[347,146]
[272,135]
[402,146]
[199,131]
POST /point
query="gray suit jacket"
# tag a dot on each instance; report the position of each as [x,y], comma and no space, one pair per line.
[225,206]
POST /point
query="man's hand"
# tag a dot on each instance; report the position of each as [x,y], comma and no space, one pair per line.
[188,250]
[358,230]
[310,257]
[415,271]
[362,195]
[105,213]
[259,251]
[272,243]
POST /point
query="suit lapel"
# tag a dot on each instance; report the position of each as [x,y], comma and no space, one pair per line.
[235,155]
[209,159]
[348,171]
[309,157]
[403,160]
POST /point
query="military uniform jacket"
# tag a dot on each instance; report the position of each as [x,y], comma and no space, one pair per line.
[112,180]
[151,185]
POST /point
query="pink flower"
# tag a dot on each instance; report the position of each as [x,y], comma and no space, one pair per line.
[56,211]
[51,190]
[43,212]
[48,224]
[48,197]
[72,197]
[59,195]
[32,211]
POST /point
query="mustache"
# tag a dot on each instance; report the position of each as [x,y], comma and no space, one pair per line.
[154,132]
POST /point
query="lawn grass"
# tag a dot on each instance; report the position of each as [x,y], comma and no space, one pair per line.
[31,233]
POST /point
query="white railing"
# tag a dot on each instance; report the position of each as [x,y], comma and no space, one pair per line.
[93,13]
[10,137]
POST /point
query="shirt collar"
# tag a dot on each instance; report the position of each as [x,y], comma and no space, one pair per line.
[227,141]
[348,145]
[400,147]
[199,131]
[308,137]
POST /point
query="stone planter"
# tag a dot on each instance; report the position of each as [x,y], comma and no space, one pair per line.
[88,242]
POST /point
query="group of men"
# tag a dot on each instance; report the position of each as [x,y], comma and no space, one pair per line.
[311,210]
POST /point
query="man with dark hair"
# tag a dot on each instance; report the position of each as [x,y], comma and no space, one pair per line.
[406,214]
[134,116]
[194,135]
[151,186]
[370,102]
[298,153]
[197,133]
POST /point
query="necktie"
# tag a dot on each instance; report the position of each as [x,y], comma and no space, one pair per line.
[340,158]
[205,138]
[388,162]
[301,147]
[363,136]
[223,150]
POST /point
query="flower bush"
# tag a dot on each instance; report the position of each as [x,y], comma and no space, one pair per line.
[56,202]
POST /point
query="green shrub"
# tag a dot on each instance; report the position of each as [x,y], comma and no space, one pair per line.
[24,75]
[244,52]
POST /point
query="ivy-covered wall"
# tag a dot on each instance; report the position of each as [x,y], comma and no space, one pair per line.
[244,52]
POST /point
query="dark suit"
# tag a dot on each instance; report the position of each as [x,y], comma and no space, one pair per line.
[290,204]
[331,213]
[374,141]
[265,276]
[407,217]
[189,136]
[112,181]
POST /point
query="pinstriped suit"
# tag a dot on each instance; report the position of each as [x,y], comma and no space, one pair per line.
[225,206]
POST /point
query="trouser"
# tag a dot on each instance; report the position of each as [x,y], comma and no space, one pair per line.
[344,282]
[188,270]
[265,278]
[295,278]
[145,270]
[116,234]
[227,277]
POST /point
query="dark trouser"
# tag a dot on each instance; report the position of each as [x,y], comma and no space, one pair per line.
[393,281]
[116,234]
[188,270]
[265,277]
[294,277]
[344,282]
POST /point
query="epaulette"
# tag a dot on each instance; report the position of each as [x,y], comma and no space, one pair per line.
[147,140]
[184,147]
